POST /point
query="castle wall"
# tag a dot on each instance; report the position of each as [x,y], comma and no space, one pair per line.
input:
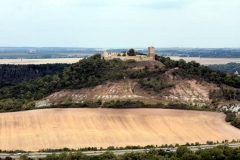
[136,58]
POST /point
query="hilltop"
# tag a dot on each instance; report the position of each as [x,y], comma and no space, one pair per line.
[94,81]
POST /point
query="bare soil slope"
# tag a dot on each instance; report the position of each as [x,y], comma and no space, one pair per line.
[74,128]
[185,91]
[191,91]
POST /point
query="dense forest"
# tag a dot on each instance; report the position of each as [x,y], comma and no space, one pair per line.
[14,74]
[182,153]
[230,68]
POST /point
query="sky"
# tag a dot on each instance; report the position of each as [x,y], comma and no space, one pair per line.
[120,23]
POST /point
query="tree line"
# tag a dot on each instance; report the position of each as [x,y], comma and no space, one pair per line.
[230,68]
[182,153]
[232,118]
[11,75]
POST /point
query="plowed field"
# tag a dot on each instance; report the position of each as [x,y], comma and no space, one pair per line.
[75,128]
[39,61]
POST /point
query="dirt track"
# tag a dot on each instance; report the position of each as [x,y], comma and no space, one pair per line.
[74,128]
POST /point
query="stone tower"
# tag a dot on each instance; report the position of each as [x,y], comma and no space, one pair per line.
[151,52]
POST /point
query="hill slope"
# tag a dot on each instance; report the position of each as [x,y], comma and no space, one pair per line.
[75,128]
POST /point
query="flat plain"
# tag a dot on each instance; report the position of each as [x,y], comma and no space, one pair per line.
[207,61]
[75,128]
[39,61]
[203,61]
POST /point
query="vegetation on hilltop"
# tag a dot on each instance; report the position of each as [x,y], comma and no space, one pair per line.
[193,70]
[131,52]
[200,72]
[94,71]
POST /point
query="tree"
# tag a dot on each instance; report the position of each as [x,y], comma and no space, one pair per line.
[107,156]
[134,156]
[230,117]
[181,150]
[197,144]
[131,52]
[80,156]
[182,64]
[23,157]
[190,156]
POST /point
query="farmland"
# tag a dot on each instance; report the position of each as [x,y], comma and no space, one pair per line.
[208,61]
[75,128]
[203,61]
[39,61]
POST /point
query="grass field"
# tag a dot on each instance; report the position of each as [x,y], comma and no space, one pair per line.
[74,128]
[207,61]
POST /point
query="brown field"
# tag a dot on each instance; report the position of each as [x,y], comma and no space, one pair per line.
[203,61]
[74,128]
[207,61]
[39,61]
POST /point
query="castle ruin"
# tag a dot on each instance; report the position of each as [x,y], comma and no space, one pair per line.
[124,56]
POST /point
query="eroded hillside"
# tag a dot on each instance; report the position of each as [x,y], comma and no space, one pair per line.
[190,92]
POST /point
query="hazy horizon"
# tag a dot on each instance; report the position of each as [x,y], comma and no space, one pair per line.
[120,24]
[136,48]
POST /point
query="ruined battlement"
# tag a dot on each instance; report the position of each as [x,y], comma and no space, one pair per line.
[124,56]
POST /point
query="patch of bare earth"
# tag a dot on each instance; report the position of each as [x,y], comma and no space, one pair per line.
[191,91]
[74,128]
[112,91]
[184,91]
